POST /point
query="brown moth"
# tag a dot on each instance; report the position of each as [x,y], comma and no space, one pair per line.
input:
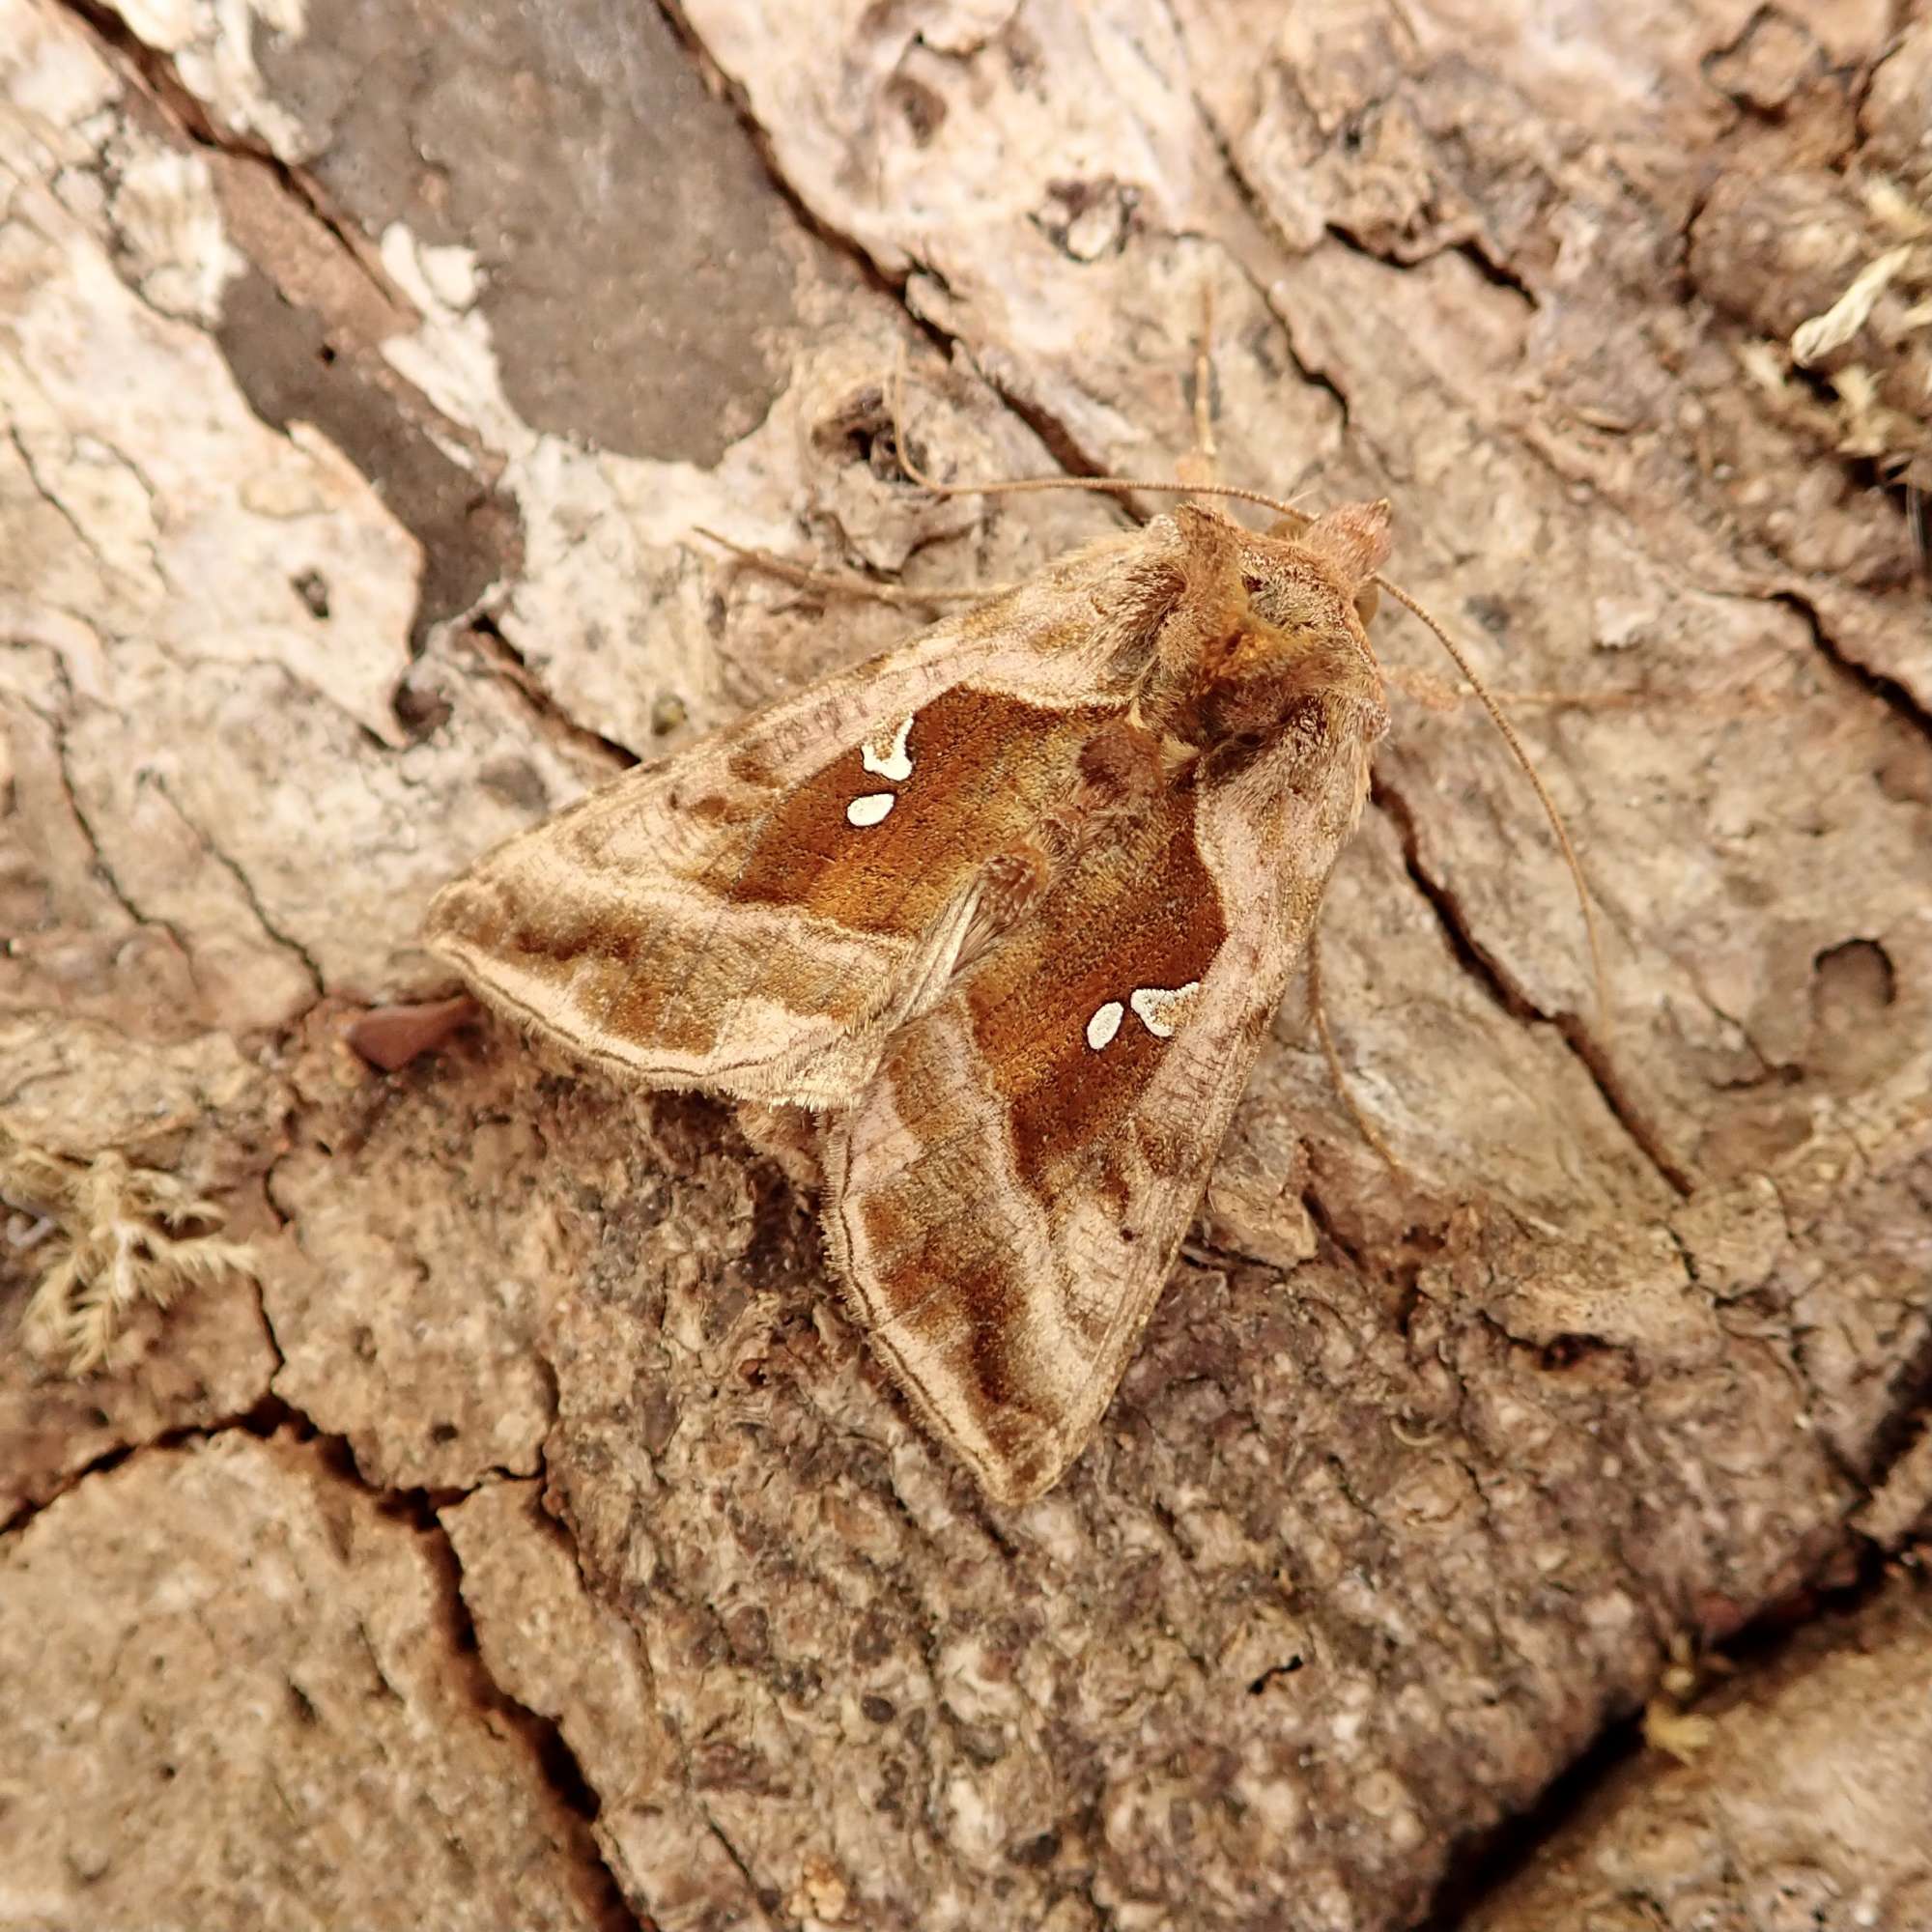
[1009,908]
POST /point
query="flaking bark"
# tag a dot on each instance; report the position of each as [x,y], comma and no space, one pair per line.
[534,1533]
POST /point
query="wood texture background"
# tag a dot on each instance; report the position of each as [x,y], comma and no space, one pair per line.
[536,1543]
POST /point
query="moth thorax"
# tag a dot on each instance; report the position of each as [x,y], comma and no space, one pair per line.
[1257,704]
[1271,682]
[1122,761]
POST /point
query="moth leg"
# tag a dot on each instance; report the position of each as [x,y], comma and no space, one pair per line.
[1436,693]
[846,583]
[787,1136]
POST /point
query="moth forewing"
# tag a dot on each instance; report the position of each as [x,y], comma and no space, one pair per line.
[1014,906]
[1006,1253]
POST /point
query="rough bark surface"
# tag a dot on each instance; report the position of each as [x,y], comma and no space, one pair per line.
[534,1537]
[1804,1807]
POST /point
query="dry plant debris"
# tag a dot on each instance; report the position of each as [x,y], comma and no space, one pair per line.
[107,1235]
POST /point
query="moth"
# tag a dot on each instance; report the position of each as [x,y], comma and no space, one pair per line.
[1008,909]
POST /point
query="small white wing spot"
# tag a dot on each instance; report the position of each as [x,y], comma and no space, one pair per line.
[1162,1009]
[1105,1024]
[887,754]
[872,809]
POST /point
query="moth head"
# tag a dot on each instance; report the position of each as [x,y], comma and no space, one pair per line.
[1318,587]
[1354,542]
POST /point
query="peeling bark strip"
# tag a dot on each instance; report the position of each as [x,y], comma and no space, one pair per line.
[1407,1487]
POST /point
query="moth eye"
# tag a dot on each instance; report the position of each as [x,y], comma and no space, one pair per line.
[1367,601]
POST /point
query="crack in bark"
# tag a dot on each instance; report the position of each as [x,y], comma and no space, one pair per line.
[1054,435]
[1595,1060]
[724,1844]
[1888,691]
[1494,268]
[1552,1357]
[674,1731]
[1490,973]
[1893,1436]
[717,81]
[556,1764]
[487,639]
[246,885]
[261,1419]
[1487,1862]
[151,73]
[102,866]
[84,536]
[1479,1864]
[1256,209]
[559,1768]
[1891,1439]
[1327,1225]
[102,869]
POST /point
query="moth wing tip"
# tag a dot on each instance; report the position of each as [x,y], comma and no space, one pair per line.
[1012,1490]
[455,927]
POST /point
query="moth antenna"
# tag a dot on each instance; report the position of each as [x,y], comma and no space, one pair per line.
[1013,486]
[848,583]
[1436,693]
[1500,720]
[1337,1072]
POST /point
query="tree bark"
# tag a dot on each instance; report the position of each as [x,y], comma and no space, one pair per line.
[531,1535]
